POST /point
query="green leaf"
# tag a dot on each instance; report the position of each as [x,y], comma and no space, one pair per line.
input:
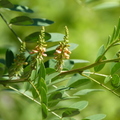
[49,71]
[21,8]
[117,34]
[107,79]
[44,111]
[9,58]
[113,35]
[100,67]
[80,105]
[43,94]
[73,46]
[26,21]
[100,52]
[43,84]
[77,80]
[34,37]
[33,75]
[70,112]
[115,81]
[56,37]
[34,93]
[42,71]
[6,4]
[86,91]
[69,64]
[96,117]
[115,68]
[22,21]
[54,98]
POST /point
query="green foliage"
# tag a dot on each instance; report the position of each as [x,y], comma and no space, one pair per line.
[49,87]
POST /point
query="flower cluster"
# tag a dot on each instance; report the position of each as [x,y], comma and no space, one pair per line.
[40,49]
[62,51]
[16,68]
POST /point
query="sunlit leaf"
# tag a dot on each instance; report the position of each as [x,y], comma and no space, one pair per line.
[96,117]
[115,81]
[55,37]
[80,105]
[73,46]
[86,91]
[34,37]
[107,79]
[21,8]
[77,80]
[22,21]
[6,4]
[41,22]
[9,58]
[70,112]
[79,61]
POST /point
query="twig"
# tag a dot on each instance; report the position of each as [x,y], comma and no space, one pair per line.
[24,94]
[9,26]
[80,70]
[101,85]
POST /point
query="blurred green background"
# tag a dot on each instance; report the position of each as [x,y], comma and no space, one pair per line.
[89,22]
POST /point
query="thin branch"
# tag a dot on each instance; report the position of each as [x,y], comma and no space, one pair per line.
[24,94]
[101,85]
[9,26]
[5,82]
[80,70]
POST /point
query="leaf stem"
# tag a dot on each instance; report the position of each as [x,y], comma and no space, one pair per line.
[101,85]
[80,70]
[111,45]
[9,26]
